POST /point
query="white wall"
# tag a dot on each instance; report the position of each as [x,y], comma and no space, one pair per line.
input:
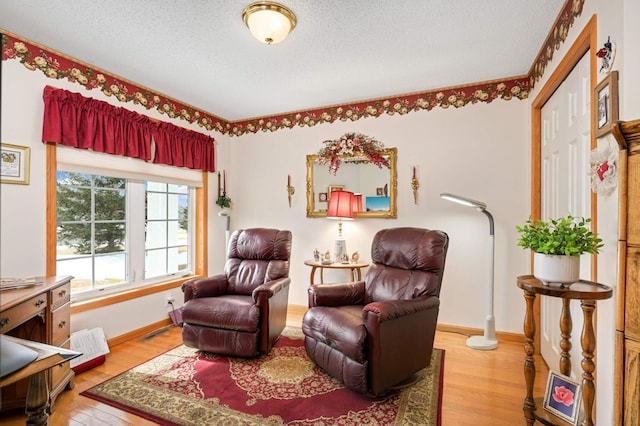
[481,151]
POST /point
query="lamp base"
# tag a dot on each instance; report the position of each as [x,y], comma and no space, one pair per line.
[339,250]
[482,343]
[488,341]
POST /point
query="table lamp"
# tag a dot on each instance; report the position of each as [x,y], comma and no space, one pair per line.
[357,203]
[341,208]
[488,340]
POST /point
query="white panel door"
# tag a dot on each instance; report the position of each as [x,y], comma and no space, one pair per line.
[565,162]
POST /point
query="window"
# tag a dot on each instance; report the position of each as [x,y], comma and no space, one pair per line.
[167,229]
[114,232]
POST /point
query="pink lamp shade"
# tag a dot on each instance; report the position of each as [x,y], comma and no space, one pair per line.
[340,205]
[357,203]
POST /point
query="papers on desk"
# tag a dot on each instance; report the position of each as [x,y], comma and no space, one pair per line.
[11,283]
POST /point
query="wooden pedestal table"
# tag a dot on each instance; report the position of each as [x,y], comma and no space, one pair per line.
[588,293]
[354,268]
[38,393]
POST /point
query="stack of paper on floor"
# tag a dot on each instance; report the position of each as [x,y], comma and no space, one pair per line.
[93,345]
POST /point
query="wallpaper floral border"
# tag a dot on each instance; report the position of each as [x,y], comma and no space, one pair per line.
[58,66]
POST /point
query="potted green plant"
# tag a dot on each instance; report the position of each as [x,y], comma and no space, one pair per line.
[557,245]
[223,201]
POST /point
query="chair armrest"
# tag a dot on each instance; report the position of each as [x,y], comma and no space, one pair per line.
[392,309]
[205,287]
[270,288]
[341,294]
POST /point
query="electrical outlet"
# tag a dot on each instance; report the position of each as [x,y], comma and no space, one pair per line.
[169,299]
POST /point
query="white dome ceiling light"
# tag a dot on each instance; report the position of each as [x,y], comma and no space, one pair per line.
[269,22]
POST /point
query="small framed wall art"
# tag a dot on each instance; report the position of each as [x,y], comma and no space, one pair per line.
[605,107]
[323,197]
[562,397]
[332,188]
[15,164]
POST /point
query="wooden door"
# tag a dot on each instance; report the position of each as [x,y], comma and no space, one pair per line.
[564,162]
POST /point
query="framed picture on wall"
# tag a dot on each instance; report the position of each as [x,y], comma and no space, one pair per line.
[562,397]
[323,197]
[605,108]
[334,188]
[15,164]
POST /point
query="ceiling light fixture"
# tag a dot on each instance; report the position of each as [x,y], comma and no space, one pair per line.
[269,22]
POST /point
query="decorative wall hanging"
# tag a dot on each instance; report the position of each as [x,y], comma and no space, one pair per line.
[607,54]
[290,189]
[605,108]
[352,145]
[15,164]
[223,201]
[604,171]
[414,186]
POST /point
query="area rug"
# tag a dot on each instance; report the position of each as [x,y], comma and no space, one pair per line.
[188,387]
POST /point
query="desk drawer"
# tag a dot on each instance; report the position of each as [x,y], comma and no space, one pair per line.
[60,295]
[59,372]
[15,316]
[60,327]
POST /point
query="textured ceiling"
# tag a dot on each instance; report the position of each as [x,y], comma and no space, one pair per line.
[200,52]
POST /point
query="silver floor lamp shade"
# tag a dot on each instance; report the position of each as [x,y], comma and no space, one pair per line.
[487,341]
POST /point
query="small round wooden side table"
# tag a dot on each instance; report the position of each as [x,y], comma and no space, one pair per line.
[354,269]
[588,292]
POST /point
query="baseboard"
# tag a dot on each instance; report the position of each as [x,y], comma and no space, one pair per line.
[297,312]
[140,332]
[468,331]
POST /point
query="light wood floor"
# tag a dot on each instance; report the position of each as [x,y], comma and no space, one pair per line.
[480,387]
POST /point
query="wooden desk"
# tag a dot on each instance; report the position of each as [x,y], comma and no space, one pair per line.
[39,313]
[354,268]
[587,292]
[37,400]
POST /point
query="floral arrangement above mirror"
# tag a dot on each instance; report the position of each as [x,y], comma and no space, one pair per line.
[352,145]
[359,164]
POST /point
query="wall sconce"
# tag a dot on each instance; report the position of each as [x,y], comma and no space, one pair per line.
[269,22]
[340,207]
[290,189]
[414,186]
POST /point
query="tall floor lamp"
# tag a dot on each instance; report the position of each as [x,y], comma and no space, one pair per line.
[488,341]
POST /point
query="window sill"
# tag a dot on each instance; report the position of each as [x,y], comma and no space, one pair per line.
[111,299]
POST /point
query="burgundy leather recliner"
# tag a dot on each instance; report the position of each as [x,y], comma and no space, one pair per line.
[378,333]
[242,311]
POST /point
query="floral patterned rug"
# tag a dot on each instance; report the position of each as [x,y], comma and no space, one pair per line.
[188,387]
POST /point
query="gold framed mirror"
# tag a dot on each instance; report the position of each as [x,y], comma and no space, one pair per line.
[378,186]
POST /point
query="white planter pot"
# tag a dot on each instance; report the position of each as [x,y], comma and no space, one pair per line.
[556,269]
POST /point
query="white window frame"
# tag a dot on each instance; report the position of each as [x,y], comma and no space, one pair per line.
[136,171]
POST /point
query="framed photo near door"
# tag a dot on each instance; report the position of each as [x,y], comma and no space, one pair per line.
[605,108]
[563,397]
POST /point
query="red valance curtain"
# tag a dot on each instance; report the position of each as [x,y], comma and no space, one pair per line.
[71,119]
[177,146]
